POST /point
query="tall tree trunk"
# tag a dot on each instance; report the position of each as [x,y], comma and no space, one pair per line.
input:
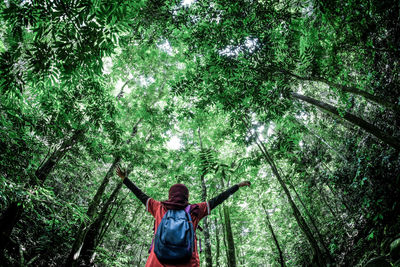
[229,238]
[45,169]
[217,242]
[382,101]
[206,228]
[100,191]
[366,126]
[80,236]
[13,213]
[230,244]
[93,205]
[92,237]
[278,247]
[299,218]
[109,218]
[312,220]
[224,236]
[8,220]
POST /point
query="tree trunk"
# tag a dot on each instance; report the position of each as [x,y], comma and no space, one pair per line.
[206,228]
[13,213]
[90,242]
[92,208]
[217,242]
[224,236]
[45,169]
[368,127]
[278,247]
[230,244]
[229,238]
[109,218]
[376,99]
[350,89]
[299,218]
[8,220]
[80,236]
[311,218]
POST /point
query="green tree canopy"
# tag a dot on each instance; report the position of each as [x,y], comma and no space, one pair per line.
[301,98]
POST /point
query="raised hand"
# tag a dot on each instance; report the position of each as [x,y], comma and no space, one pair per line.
[245,183]
[120,173]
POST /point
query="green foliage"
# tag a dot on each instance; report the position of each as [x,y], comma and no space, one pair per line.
[174,92]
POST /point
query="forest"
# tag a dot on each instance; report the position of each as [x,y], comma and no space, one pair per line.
[299,97]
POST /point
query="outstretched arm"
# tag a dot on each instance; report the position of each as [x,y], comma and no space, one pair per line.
[138,193]
[224,195]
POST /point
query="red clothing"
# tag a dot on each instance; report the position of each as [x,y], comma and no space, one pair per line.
[158,210]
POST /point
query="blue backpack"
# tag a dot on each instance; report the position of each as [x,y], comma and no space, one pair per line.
[174,240]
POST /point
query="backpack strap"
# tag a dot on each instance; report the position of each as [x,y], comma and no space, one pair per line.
[151,246]
[152,241]
[187,209]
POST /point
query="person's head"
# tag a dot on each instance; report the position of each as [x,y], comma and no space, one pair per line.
[178,193]
[178,197]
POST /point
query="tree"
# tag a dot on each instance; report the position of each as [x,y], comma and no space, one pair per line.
[278,247]
[299,97]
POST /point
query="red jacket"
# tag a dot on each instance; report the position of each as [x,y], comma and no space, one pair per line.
[158,210]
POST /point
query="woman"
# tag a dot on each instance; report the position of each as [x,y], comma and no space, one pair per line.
[177,200]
